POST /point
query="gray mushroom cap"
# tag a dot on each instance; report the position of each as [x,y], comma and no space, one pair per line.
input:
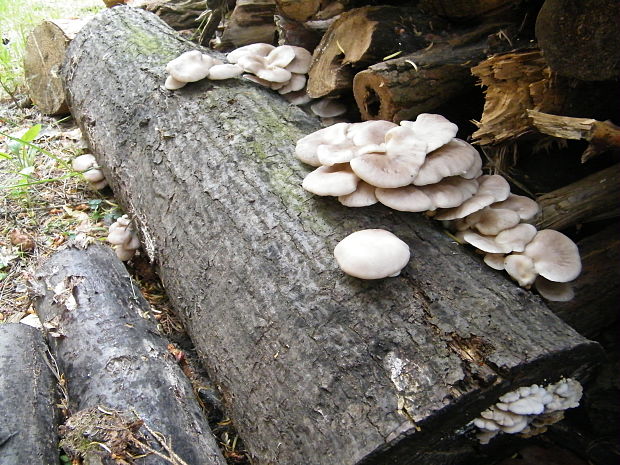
[555,256]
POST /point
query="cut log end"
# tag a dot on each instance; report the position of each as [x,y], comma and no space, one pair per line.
[44,54]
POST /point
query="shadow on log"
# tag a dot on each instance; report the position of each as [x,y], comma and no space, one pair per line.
[112,355]
[28,396]
[314,366]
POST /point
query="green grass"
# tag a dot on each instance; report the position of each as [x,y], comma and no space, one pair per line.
[17,19]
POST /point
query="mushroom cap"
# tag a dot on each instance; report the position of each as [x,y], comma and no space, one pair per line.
[332,154]
[84,162]
[521,269]
[119,236]
[275,75]
[133,243]
[492,188]
[370,132]
[327,108]
[452,159]
[93,175]
[517,237]
[434,130]
[495,260]
[372,254]
[405,199]
[363,196]
[280,57]
[524,206]
[300,97]
[257,80]
[172,84]
[99,184]
[296,83]
[492,221]
[398,167]
[556,292]
[190,66]
[450,192]
[301,62]
[555,256]
[306,147]
[123,254]
[485,243]
[224,71]
[258,49]
[334,181]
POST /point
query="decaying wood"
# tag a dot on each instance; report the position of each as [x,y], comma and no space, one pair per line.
[580,38]
[406,86]
[595,305]
[43,55]
[178,14]
[602,135]
[296,33]
[28,395]
[251,21]
[315,367]
[592,198]
[515,82]
[362,37]
[298,10]
[112,355]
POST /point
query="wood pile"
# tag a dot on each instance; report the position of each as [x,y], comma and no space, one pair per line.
[304,360]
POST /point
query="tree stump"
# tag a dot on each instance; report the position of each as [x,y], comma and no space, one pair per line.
[314,366]
[28,395]
[112,355]
[44,53]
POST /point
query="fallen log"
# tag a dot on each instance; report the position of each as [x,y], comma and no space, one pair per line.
[401,88]
[314,366]
[28,394]
[579,38]
[43,55]
[178,14]
[250,22]
[112,355]
[595,306]
[592,198]
[362,37]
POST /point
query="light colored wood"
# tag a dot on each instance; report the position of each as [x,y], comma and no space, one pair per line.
[298,10]
[515,82]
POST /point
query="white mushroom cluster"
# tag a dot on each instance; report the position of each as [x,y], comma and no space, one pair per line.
[282,68]
[123,238]
[528,410]
[194,66]
[420,166]
[87,165]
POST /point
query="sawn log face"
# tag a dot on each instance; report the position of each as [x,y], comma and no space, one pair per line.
[315,366]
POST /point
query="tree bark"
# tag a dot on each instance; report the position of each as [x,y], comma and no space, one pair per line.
[362,37]
[595,306]
[43,56]
[29,420]
[178,14]
[111,355]
[592,198]
[464,9]
[314,366]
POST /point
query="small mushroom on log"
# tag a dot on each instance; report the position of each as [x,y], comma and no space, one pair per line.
[29,420]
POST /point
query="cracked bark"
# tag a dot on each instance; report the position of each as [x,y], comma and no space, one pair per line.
[112,355]
[314,366]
